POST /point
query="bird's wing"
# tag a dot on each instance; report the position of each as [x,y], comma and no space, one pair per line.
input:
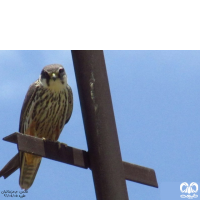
[30,94]
[10,167]
[29,163]
[70,103]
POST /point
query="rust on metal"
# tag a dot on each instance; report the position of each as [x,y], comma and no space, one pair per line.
[100,127]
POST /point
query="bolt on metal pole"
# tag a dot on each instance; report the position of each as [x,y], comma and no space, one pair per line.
[100,128]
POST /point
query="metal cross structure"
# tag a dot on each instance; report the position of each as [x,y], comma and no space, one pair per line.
[103,156]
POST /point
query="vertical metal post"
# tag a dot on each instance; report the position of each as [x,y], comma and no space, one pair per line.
[100,127]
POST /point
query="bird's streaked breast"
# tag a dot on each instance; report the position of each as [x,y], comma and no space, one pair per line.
[47,113]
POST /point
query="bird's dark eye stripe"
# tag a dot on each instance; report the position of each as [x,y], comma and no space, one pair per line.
[44,74]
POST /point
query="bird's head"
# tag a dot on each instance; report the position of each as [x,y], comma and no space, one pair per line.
[53,77]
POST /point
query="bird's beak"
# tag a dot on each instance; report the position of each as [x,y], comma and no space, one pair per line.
[54,76]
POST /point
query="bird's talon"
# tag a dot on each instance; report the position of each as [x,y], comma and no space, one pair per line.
[60,144]
[65,144]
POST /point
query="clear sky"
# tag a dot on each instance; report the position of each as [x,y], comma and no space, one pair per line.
[156,100]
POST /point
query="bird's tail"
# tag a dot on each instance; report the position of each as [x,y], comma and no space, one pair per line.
[10,167]
[28,170]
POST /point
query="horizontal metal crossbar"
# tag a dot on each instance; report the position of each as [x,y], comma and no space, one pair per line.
[66,154]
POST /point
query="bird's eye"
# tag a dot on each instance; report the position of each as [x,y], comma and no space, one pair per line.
[61,70]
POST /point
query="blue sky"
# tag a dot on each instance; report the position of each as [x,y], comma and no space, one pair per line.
[156,102]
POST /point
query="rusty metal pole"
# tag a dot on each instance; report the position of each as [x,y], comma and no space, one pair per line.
[100,128]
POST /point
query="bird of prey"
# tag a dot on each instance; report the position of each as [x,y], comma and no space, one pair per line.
[46,109]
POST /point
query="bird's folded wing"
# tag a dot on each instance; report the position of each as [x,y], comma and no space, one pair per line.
[10,167]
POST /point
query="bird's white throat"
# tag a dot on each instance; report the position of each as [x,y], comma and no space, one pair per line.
[56,85]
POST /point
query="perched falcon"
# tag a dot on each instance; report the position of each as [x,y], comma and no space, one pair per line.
[46,109]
